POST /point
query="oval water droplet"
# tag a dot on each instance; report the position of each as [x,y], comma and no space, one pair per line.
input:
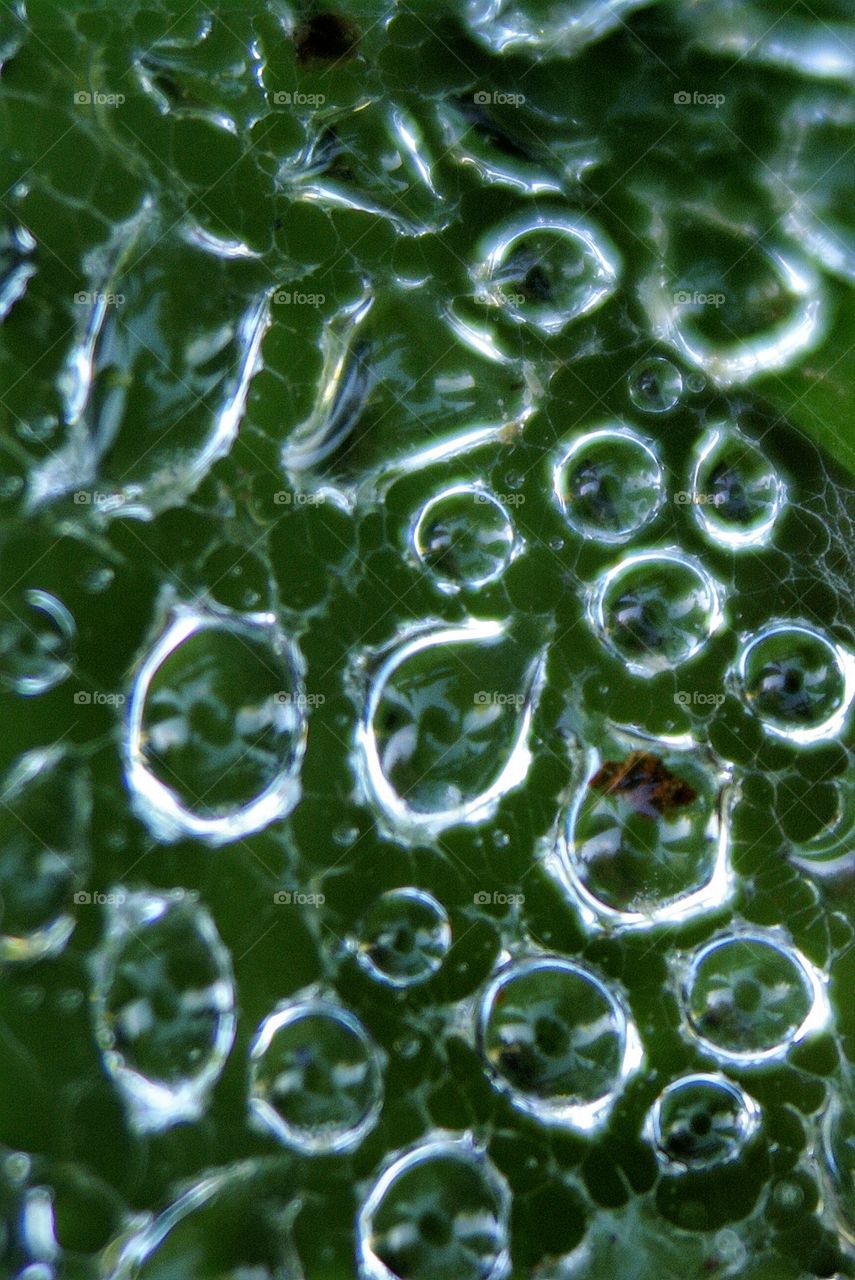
[464,537]
[557,1040]
[655,609]
[445,730]
[216,727]
[701,1121]
[797,681]
[439,1209]
[37,643]
[655,385]
[749,996]
[316,1077]
[736,494]
[403,938]
[647,840]
[546,270]
[163,1004]
[609,483]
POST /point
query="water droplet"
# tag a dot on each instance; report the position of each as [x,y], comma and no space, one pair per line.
[439,1209]
[445,708]
[609,483]
[403,938]
[838,1152]
[655,609]
[749,996]
[44,832]
[163,1004]
[647,840]
[542,29]
[464,537]
[16,246]
[216,727]
[797,681]
[546,270]
[655,385]
[316,1077]
[736,494]
[557,1040]
[37,643]
[701,1121]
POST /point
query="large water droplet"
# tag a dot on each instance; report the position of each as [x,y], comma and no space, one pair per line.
[163,1004]
[546,270]
[216,727]
[542,28]
[464,537]
[655,609]
[749,996]
[316,1077]
[838,1152]
[403,938]
[647,840]
[797,681]
[701,1121]
[445,730]
[736,494]
[557,1041]
[609,483]
[438,1210]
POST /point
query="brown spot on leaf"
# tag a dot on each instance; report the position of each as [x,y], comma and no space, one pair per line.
[644,782]
[326,37]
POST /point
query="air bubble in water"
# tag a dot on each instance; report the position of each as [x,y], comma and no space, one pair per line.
[216,727]
[647,840]
[749,996]
[403,938]
[464,537]
[655,609]
[701,1121]
[438,1210]
[316,1077]
[609,483]
[444,734]
[736,494]
[798,681]
[163,1004]
[655,385]
[546,270]
[557,1040]
[543,28]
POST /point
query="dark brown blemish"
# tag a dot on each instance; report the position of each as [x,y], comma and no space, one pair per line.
[644,782]
[326,37]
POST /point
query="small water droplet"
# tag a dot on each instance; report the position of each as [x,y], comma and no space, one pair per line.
[701,1121]
[403,938]
[655,385]
[797,681]
[609,483]
[464,537]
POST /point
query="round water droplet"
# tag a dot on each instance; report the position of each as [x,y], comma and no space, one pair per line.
[647,840]
[546,270]
[445,730]
[231,1225]
[655,609]
[701,1121]
[655,385]
[736,495]
[37,642]
[748,997]
[542,28]
[163,1004]
[403,938]
[216,727]
[464,537]
[438,1210]
[609,483]
[316,1077]
[797,681]
[44,834]
[557,1040]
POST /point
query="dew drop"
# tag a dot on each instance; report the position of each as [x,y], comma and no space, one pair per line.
[609,484]
[655,385]
[736,495]
[701,1121]
[464,537]
[403,938]
[797,681]
[37,643]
